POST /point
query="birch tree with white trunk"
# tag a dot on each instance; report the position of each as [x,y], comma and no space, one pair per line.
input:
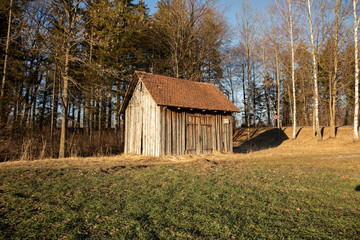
[356,107]
[315,69]
[287,10]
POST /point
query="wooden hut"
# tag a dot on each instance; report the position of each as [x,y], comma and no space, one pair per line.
[171,116]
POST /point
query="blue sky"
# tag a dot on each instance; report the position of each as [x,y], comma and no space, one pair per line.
[230,7]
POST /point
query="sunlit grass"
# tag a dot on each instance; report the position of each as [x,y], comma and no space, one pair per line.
[214,198]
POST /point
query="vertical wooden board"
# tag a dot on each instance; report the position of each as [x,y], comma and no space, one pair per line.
[225,130]
[208,134]
[203,137]
[189,134]
[166,132]
[151,129]
[188,131]
[231,135]
[210,131]
[130,117]
[173,133]
[147,126]
[140,128]
[213,133]
[198,136]
[228,136]
[129,130]
[202,134]
[221,135]
[157,130]
[217,134]
[132,125]
[137,131]
[168,135]
[126,130]
[134,135]
[142,134]
[163,131]
[183,133]
[179,133]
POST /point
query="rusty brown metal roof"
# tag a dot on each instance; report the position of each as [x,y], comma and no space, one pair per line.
[175,92]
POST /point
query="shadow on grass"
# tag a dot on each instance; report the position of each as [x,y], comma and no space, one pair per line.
[357,188]
[269,139]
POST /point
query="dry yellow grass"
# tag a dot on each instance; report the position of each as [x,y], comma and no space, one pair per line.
[342,149]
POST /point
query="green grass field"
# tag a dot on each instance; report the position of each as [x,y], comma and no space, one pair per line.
[216,197]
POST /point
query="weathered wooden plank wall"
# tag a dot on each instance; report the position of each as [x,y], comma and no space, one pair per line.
[142,127]
[183,132]
[154,130]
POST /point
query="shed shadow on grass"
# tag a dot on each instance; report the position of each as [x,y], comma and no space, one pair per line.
[269,139]
[357,188]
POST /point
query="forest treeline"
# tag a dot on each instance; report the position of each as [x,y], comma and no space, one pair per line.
[65,65]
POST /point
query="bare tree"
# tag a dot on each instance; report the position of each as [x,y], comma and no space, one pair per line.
[356,107]
[272,32]
[66,25]
[2,94]
[337,39]
[315,67]
[288,11]
[291,31]
[6,50]
[247,27]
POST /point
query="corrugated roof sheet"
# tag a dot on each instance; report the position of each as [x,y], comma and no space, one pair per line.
[175,92]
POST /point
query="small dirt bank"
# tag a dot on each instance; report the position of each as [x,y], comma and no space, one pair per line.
[265,143]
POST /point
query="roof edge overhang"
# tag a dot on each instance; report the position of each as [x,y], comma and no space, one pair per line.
[199,109]
[129,92]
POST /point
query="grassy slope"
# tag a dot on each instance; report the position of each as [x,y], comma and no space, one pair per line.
[292,191]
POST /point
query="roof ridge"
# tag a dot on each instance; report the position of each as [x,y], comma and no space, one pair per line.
[174,78]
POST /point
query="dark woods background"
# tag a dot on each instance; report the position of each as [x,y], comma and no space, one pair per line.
[65,66]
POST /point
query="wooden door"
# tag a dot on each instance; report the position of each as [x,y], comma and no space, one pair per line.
[226,135]
[199,137]
[191,134]
[206,143]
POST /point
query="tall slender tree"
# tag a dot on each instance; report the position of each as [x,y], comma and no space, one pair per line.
[356,50]
[315,68]
[248,30]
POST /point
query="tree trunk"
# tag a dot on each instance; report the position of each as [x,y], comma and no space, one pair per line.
[291,25]
[315,73]
[333,77]
[356,107]
[6,52]
[62,149]
[278,87]
[54,106]
[244,94]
